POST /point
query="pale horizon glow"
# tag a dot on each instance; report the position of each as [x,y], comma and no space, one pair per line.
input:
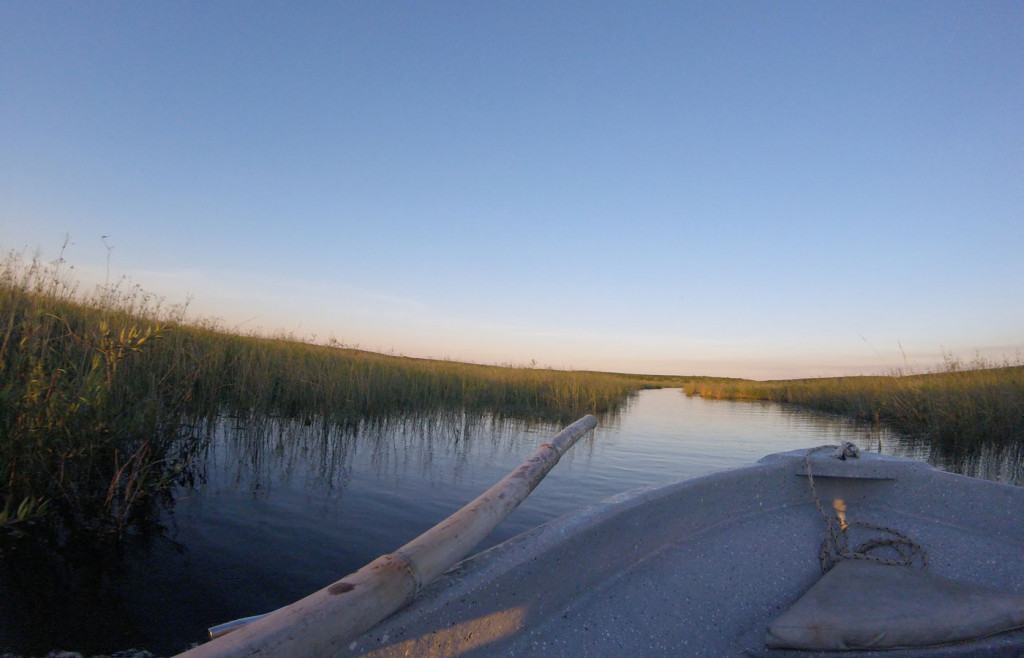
[742,189]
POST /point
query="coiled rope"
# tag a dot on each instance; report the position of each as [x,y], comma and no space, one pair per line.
[836,546]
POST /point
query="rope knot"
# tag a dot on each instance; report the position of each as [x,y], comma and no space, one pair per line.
[836,545]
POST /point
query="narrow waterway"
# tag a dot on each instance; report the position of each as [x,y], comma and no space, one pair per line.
[281,509]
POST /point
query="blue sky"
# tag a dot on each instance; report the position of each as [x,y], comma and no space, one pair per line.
[753,189]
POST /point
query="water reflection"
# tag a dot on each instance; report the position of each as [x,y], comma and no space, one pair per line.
[259,453]
[989,461]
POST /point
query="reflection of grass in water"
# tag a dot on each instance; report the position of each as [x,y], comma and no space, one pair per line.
[94,389]
[1002,463]
[256,452]
[958,409]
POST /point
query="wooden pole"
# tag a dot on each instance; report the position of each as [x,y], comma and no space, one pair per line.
[335,615]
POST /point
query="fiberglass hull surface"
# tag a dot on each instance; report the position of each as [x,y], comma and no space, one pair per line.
[701,567]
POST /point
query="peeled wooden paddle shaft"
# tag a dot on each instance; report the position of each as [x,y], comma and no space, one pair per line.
[336,614]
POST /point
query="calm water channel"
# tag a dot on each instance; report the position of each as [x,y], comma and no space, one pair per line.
[284,509]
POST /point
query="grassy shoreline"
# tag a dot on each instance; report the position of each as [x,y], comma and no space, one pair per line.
[961,407]
[97,392]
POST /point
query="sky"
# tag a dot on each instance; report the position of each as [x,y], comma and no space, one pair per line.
[751,189]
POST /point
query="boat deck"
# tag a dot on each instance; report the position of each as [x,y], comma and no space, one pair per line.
[702,567]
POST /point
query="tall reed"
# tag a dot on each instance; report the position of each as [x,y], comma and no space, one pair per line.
[96,393]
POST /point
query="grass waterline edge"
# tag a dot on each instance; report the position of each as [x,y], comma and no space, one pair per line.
[98,392]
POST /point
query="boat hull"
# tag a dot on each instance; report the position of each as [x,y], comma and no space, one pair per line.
[702,567]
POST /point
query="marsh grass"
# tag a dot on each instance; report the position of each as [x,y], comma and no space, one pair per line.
[86,435]
[959,407]
[103,395]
